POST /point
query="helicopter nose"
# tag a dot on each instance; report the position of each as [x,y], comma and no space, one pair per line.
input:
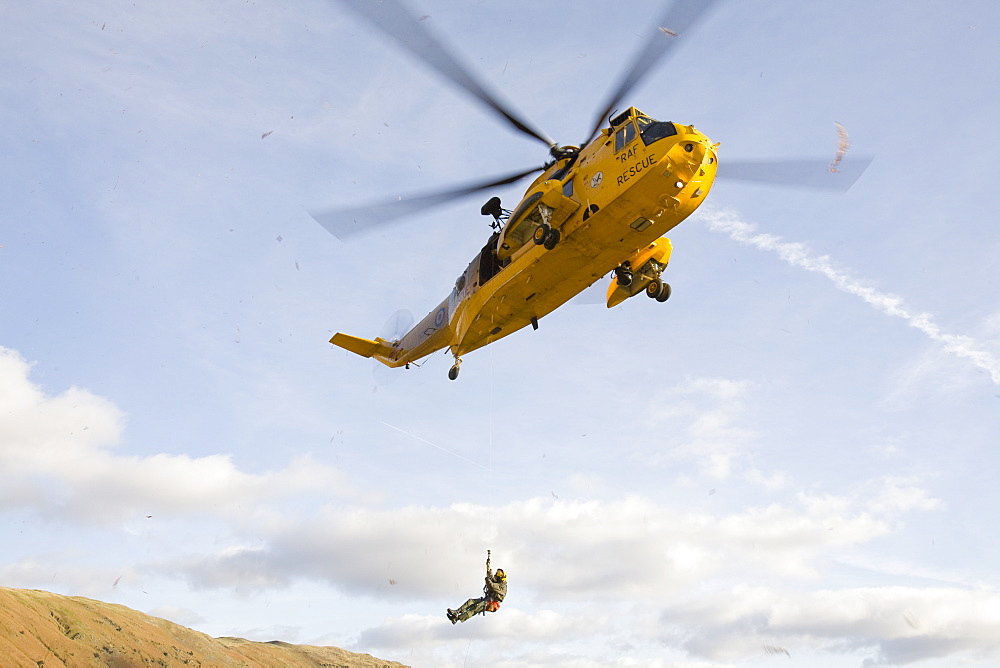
[692,171]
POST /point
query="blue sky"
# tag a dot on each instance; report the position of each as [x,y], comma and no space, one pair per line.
[797,451]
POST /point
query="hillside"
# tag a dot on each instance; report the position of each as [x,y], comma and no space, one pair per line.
[43,630]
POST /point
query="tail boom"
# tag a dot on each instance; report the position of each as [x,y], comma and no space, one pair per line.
[379,349]
[429,335]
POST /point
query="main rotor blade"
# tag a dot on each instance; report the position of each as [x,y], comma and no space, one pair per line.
[797,173]
[674,24]
[392,18]
[351,222]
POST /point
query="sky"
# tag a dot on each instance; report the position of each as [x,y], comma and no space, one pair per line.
[790,462]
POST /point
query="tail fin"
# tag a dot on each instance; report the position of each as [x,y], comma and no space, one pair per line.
[380,349]
[431,334]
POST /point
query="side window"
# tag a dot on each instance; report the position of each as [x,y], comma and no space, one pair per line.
[568,188]
[624,136]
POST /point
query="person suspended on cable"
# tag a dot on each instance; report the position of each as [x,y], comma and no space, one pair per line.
[493,592]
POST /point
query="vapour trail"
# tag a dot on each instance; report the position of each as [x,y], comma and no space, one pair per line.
[798,255]
[433,445]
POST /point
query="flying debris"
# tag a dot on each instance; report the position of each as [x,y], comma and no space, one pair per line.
[842,145]
[668,31]
[771,649]
[266,134]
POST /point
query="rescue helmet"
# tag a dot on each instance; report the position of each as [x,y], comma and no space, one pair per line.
[501,574]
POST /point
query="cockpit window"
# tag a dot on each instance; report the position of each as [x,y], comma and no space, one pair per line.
[624,136]
[651,130]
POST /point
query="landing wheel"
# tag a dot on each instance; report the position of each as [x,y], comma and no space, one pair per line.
[552,239]
[542,233]
[453,372]
[624,276]
[658,290]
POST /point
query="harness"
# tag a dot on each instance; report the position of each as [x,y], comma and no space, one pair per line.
[491,604]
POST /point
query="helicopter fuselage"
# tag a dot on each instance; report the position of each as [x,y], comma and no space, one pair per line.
[586,215]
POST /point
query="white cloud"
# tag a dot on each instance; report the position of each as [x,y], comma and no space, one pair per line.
[901,494]
[632,548]
[708,420]
[68,568]
[56,456]
[772,482]
[398,632]
[178,615]
[712,437]
[914,376]
[897,625]
[724,583]
[516,637]
[716,625]
[798,255]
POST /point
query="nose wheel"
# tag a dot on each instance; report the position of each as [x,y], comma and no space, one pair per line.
[546,236]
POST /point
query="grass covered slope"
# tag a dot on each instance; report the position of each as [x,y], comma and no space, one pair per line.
[40,629]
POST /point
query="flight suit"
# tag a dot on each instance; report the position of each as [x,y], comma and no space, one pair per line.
[494,592]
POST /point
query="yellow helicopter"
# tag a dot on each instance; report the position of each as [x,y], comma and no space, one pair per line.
[598,209]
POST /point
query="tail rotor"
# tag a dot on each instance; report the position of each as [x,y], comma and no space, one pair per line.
[393,331]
